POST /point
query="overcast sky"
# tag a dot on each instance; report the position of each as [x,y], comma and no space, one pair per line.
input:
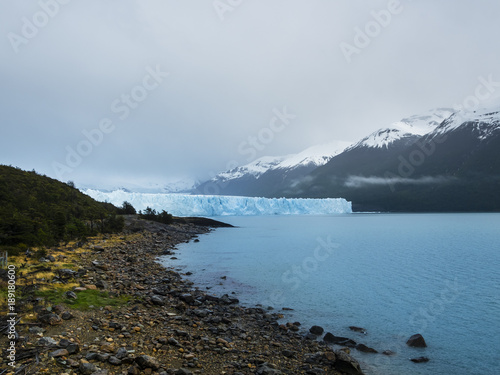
[135,91]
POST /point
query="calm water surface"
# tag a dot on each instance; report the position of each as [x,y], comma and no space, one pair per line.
[393,274]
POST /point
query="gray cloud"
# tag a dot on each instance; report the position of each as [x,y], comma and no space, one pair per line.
[226,77]
[362,181]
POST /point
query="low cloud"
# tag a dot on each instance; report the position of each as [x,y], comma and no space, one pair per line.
[362,181]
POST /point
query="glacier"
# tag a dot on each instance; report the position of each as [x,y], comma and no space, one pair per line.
[219,205]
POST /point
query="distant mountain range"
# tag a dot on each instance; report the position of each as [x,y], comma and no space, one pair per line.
[270,174]
[442,160]
[180,186]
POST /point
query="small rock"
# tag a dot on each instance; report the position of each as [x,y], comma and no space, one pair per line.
[316,330]
[115,325]
[358,329]
[91,356]
[420,360]
[146,361]
[107,348]
[51,319]
[73,348]
[388,352]
[63,343]
[87,368]
[338,340]
[365,349]
[102,357]
[121,353]
[58,309]
[202,313]
[288,353]
[59,353]
[65,272]
[416,341]
[310,336]
[47,341]
[114,361]
[157,300]
[36,330]
[346,364]
[267,369]
[71,295]
[188,298]
[101,284]
[133,370]
[225,299]
[173,341]
[67,315]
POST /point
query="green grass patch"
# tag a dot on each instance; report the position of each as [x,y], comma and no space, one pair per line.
[87,299]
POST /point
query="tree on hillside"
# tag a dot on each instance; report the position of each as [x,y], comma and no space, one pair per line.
[127,209]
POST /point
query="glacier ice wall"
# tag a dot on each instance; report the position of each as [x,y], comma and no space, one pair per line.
[218,205]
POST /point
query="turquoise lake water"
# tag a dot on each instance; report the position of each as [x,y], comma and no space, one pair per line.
[393,274]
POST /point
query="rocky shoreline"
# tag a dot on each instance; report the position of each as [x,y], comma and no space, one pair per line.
[166,326]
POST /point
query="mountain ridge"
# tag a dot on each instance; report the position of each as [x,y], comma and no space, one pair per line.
[441,160]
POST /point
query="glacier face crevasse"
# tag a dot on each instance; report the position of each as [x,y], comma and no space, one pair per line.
[219,205]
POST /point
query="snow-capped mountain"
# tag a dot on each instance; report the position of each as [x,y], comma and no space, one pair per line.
[441,160]
[454,167]
[311,157]
[407,130]
[270,173]
[482,123]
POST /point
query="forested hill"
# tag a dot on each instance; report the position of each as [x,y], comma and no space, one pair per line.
[38,210]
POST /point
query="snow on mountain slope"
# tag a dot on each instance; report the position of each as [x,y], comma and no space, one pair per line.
[219,205]
[417,125]
[485,122]
[313,156]
[255,168]
[425,123]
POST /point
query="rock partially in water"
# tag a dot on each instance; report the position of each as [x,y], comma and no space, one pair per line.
[416,341]
[358,329]
[316,330]
[339,340]
[365,349]
[420,360]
